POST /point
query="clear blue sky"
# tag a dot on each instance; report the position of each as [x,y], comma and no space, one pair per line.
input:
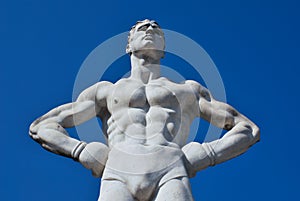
[254,44]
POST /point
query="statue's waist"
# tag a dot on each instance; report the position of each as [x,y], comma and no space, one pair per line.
[145,148]
[125,157]
[141,144]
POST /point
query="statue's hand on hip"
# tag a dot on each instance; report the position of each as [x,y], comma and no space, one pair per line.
[94,157]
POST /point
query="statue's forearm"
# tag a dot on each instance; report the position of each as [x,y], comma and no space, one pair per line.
[49,131]
[233,143]
[54,138]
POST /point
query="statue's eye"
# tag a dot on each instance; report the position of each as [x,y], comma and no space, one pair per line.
[144,27]
[158,31]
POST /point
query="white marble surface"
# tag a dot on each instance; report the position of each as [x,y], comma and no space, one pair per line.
[146,118]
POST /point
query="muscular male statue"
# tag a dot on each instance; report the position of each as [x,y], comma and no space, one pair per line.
[146,120]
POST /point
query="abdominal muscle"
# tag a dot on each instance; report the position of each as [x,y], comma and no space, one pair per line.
[136,130]
[139,138]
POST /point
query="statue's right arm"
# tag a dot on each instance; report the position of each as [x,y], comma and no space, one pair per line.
[49,129]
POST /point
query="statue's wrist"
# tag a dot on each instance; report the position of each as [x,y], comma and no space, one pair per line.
[77,150]
[210,153]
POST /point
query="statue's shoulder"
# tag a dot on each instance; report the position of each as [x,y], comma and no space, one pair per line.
[195,86]
[125,85]
[101,86]
[93,91]
[192,83]
[100,90]
[104,84]
[166,81]
[124,79]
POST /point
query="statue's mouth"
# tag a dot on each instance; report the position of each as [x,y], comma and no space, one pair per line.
[148,37]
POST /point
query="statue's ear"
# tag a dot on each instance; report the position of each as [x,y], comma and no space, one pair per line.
[128,49]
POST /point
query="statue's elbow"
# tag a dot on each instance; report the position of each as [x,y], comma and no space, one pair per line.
[257,134]
[32,129]
[252,131]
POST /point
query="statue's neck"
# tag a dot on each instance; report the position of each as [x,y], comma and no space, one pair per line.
[144,68]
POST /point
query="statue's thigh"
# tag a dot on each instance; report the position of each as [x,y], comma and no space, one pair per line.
[114,190]
[176,190]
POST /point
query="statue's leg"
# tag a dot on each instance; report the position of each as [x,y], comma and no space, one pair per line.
[114,190]
[177,189]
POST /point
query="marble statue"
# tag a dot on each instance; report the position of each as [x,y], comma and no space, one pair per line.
[146,120]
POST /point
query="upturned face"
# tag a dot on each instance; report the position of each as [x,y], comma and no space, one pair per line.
[147,36]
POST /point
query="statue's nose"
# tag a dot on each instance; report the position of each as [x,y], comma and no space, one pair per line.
[149,29]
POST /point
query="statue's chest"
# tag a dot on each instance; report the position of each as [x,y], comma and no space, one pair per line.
[160,95]
[138,95]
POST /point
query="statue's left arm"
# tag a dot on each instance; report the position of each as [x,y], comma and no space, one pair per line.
[242,132]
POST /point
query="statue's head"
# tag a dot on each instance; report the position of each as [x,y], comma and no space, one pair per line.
[146,36]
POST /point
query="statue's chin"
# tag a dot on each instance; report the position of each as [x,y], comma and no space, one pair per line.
[150,52]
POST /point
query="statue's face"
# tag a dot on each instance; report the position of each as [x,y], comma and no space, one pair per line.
[147,36]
